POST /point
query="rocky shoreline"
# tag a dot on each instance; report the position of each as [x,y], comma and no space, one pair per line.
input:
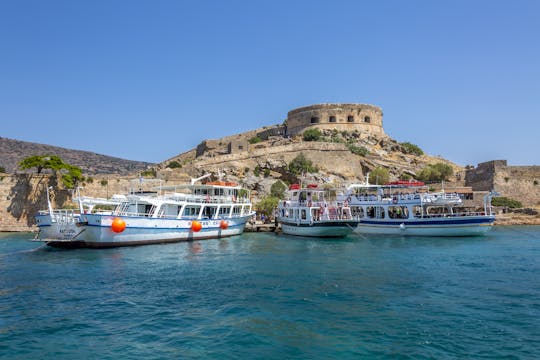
[517,219]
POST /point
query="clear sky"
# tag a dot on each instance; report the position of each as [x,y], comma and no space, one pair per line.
[147,80]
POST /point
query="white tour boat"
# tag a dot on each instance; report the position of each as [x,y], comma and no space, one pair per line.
[308,212]
[407,208]
[63,224]
[187,212]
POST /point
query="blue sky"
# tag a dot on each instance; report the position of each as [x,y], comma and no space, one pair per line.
[147,80]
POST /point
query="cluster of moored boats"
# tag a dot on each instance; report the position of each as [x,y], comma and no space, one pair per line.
[399,208]
[219,209]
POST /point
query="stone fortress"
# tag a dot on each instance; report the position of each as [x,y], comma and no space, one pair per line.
[363,118]
[347,117]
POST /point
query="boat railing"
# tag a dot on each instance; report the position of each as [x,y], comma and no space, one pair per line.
[453,215]
[63,216]
[441,198]
[384,198]
[211,199]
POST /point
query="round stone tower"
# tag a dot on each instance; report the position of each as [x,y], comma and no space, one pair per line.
[349,117]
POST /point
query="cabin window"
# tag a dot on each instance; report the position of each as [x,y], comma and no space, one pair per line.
[350,118]
[209,212]
[357,211]
[332,119]
[190,211]
[375,212]
[417,211]
[398,212]
[237,210]
[224,211]
[314,120]
[367,119]
[303,214]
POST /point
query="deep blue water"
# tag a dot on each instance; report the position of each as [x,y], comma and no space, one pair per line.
[274,297]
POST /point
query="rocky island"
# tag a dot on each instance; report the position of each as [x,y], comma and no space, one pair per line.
[342,143]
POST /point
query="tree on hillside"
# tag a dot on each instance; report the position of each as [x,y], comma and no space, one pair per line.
[70,174]
[436,172]
[301,164]
[267,205]
[379,175]
[35,161]
[278,189]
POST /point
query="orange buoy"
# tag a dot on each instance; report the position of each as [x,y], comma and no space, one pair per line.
[118,225]
[223,225]
[196,226]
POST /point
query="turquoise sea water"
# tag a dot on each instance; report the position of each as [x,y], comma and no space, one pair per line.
[266,296]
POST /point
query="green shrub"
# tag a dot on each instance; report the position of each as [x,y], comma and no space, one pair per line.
[149,173]
[267,205]
[257,170]
[379,175]
[104,182]
[358,150]
[436,172]
[2,169]
[405,176]
[504,201]
[301,164]
[174,165]
[255,140]
[278,189]
[266,172]
[312,134]
[409,148]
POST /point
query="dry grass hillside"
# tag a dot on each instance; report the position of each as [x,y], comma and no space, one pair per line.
[13,151]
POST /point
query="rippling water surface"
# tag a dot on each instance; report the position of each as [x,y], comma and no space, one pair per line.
[275,297]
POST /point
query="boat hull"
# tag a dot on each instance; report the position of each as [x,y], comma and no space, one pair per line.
[319,229]
[97,231]
[465,226]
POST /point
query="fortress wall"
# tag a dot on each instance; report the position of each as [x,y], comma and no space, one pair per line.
[516,182]
[346,117]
